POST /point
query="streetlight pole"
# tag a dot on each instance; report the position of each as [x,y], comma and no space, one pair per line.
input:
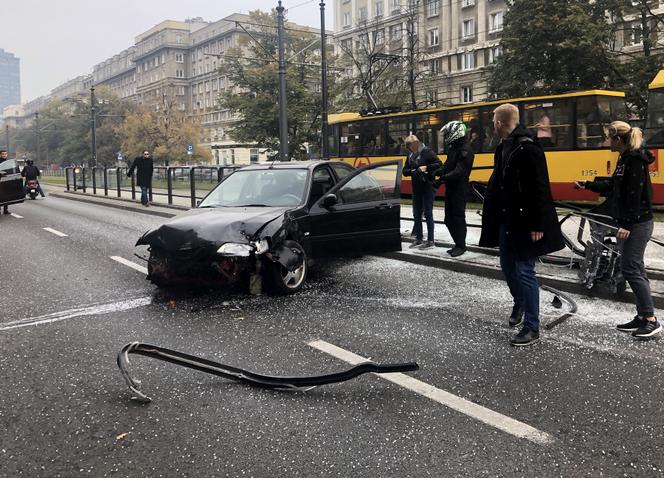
[37,133]
[283,118]
[93,123]
[324,153]
[7,133]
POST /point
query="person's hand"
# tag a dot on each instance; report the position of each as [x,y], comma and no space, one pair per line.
[622,233]
[536,236]
[580,184]
[423,169]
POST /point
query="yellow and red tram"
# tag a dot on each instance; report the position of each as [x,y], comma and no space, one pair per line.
[571,127]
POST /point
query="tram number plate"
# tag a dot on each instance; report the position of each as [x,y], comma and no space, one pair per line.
[589,172]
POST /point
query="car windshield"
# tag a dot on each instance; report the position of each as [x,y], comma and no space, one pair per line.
[260,188]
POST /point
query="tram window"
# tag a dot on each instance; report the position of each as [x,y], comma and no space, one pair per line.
[427,128]
[550,122]
[490,140]
[398,130]
[655,119]
[470,117]
[593,116]
[372,137]
[333,140]
[350,140]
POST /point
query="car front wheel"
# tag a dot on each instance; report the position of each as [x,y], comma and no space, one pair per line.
[284,281]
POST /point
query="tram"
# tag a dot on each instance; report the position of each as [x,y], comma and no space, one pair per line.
[571,127]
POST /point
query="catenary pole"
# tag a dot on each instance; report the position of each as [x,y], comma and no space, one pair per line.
[283,118]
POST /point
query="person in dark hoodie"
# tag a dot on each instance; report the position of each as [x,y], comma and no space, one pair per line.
[454,174]
[31,173]
[520,218]
[629,203]
[143,165]
[421,163]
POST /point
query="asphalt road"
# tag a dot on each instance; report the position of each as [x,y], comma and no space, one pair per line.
[588,398]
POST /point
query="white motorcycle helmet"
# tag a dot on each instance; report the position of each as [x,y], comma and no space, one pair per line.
[453,131]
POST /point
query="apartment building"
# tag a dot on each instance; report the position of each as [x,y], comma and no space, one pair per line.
[10,79]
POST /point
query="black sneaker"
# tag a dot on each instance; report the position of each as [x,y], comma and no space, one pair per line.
[631,326]
[428,245]
[648,330]
[525,337]
[457,251]
[416,243]
[516,318]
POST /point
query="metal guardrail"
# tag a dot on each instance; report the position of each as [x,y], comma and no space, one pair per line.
[169,181]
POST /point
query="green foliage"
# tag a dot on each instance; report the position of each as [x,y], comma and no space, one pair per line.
[255,97]
[552,46]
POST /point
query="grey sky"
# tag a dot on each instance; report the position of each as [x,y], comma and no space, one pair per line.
[58,40]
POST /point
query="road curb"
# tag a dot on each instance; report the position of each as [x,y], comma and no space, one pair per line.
[495,273]
[116,203]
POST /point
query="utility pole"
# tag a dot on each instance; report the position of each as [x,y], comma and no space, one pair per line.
[283,118]
[37,133]
[93,123]
[7,133]
[324,153]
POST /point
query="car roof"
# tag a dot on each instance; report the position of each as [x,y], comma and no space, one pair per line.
[291,164]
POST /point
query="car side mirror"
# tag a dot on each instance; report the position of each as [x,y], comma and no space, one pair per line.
[329,200]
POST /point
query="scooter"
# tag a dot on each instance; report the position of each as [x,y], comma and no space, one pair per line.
[31,188]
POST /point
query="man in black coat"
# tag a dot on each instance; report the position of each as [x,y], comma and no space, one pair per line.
[420,165]
[4,157]
[519,216]
[144,167]
[454,174]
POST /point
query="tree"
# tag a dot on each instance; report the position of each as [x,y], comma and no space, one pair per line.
[162,128]
[252,69]
[552,46]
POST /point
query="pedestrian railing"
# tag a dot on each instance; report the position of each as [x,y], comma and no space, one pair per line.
[170,182]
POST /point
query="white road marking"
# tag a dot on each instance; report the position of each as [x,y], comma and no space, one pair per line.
[133,265]
[98,309]
[15,215]
[478,412]
[53,231]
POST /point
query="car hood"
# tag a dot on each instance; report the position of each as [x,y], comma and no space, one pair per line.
[211,227]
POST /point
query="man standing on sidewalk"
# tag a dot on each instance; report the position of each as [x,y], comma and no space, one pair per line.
[519,216]
[144,167]
[420,165]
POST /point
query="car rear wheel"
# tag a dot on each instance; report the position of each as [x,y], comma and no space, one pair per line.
[284,281]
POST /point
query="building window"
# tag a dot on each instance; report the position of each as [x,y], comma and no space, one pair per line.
[179,58]
[468,28]
[495,53]
[380,37]
[347,45]
[253,155]
[433,8]
[346,20]
[435,66]
[467,3]
[635,35]
[395,32]
[466,94]
[379,9]
[362,14]
[433,37]
[468,60]
[396,5]
[496,22]
[179,73]
[432,98]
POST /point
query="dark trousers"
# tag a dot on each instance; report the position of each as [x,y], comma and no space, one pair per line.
[521,280]
[423,204]
[633,268]
[455,214]
[144,195]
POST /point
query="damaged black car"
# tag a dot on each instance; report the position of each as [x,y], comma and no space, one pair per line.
[263,225]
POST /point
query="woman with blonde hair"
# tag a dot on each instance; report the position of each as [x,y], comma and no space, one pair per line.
[629,202]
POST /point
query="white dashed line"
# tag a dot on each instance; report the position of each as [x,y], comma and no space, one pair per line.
[478,412]
[53,231]
[133,265]
[16,215]
[98,309]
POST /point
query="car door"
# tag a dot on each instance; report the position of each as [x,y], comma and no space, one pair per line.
[11,183]
[361,213]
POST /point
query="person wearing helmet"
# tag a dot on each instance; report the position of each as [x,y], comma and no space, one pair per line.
[31,173]
[454,174]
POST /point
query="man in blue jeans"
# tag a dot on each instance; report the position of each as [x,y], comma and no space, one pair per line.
[420,165]
[144,167]
[519,216]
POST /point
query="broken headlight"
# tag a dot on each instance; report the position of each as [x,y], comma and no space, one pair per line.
[233,249]
[261,246]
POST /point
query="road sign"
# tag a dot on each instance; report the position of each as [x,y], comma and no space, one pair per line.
[190,148]
[119,156]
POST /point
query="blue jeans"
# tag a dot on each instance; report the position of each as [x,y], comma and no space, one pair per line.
[522,282]
[144,195]
[423,203]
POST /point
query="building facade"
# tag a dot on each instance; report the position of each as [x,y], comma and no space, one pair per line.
[10,79]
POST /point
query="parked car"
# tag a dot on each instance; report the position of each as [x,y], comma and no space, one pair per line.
[11,183]
[264,223]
